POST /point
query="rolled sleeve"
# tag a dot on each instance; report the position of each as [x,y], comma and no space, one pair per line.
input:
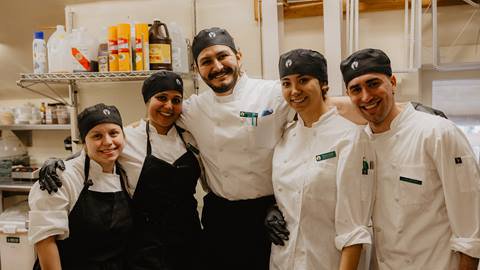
[48,213]
[359,235]
[468,246]
[44,224]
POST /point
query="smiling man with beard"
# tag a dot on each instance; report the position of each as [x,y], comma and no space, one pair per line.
[236,126]
[427,195]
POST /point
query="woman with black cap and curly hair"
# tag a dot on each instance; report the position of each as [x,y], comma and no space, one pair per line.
[322,176]
[87,223]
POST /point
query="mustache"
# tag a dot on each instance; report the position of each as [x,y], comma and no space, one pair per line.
[225,70]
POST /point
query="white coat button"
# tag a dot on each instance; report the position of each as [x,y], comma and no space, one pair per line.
[225,174]
[294,134]
[220,150]
[285,161]
[408,261]
[314,133]
[279,189]
[400,231]
[381,260]
[397,200]
[378,229]
[245,149]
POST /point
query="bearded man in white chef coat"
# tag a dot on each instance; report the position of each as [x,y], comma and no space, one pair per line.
[426,213]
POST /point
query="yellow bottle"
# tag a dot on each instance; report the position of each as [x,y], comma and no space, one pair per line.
[124,60]
[141,46]
[112,49]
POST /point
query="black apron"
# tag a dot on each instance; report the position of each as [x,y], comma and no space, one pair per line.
[100,225]
[167,226]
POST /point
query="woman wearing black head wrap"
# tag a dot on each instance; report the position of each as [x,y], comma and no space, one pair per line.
[321,176]
[87,223]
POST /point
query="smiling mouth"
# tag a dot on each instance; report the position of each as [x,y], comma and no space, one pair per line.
[371,105]
[298,100]
[108,151]
[166,114]
[220,75]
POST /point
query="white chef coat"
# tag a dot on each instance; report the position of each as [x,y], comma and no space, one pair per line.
[236,135]
[49,212]
[427,201]
[167,147]
[318,180]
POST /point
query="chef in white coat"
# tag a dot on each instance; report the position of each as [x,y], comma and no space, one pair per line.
[426,213]
[236,126]
[322,174]
[87,223]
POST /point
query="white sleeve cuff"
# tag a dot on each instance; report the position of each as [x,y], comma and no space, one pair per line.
[468,246]
[360,235]
[44,224]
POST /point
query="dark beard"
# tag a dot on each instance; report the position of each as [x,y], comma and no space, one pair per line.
[223,88]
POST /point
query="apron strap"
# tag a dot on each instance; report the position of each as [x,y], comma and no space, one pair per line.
[86,170]
[149,147]
[180,133]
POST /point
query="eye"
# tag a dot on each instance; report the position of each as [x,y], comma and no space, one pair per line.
[355,90]
[162,98]
[96,136]
[373,84]
[303,80]
[114,133]
[176,100]
[205,62]
[285,84]
[222,56]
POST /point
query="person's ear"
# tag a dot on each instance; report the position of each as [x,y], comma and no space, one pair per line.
[239,55]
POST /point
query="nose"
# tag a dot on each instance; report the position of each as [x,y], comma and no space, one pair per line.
[295,90]
[107,139]
[217,65]
[168,105]
[365,95]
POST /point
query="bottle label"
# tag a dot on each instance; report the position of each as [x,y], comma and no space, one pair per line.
[123,45]
[113,46]
[81,59]
[160,54]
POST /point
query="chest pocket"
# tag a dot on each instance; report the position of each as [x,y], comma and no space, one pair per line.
[264,134]
[322,183]
[413,183]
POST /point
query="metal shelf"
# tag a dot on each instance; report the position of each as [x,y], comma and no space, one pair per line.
[89,77]
[36,127]
[14,185]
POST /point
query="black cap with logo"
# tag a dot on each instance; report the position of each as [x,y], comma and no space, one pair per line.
[365,61]
[304,62]
[97,114]
[209,37]
[161,81]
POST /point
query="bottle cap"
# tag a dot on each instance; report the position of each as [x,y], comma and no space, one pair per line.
[38,35]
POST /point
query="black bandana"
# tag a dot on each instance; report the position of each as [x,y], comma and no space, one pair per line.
[304,62]
[97,114]
[363,62]
[161,81]
[209,37]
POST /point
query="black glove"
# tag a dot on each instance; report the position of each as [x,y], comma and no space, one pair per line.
[49,179]
[423,108]
[276,226]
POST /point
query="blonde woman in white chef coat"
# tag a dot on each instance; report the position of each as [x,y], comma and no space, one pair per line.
[322,175]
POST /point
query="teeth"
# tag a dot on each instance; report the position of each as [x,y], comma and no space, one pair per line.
[298,100]
[166,114]
[370,106]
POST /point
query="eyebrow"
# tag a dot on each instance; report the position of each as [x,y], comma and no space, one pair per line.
[216,54]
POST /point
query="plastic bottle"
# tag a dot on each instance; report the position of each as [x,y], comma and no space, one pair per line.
[84,49]
[43,111]
[59,51]
[112,48]
[160,47]
[179,49]
[39,54]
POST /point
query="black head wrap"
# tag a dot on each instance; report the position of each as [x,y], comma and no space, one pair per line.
[304,62]
[97,114]
[363,62]
[209,37]
[161,81]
